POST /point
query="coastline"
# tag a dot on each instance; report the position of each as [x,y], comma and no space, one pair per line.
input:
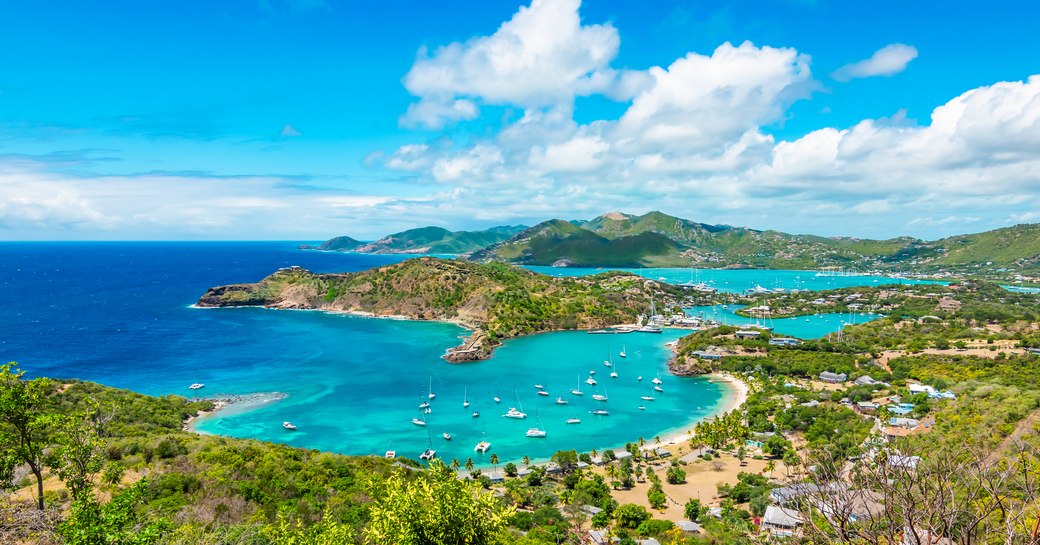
[737,396]
[230,404]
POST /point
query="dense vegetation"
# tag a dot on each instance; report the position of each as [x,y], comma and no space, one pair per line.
[425,240]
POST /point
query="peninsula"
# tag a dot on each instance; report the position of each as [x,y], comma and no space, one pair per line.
[496,301]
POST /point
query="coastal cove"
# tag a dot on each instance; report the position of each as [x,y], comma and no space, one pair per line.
[120,314]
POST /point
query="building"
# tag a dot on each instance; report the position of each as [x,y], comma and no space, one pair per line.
[780,522]
[948,304]
[833,378]
[784,341]
[1035,351]
[747,334]
[689,527]
[899,461]
[867,380]
[784,494]
[706,355]
[865,407]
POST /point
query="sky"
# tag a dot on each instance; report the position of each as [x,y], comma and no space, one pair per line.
[307,119]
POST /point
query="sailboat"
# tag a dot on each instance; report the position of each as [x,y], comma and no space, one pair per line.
[600,397]
[658,389]
[561,401]
[513,412]
[390,452]
[649,397]
[431,395]
[538,431]
[577,391]
[590,381]
[497,398]
[465,398]
[429,453]
[574,420]
[419,422]
[657,379]
[613,372]
[622,354]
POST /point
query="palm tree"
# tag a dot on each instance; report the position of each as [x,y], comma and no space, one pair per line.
[593,453]
[469,464]
[527,461]
[455,464]
[612,473]
[494,461]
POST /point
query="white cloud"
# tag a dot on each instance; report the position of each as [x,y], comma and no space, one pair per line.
[540,57]
[887,61]
[288,131]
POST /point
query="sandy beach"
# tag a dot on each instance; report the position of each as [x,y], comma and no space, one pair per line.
[735,399]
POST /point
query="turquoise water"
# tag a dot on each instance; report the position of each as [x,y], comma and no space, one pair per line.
[120,314]
[1022,289]
[802,327]
[356,391]
[739,280]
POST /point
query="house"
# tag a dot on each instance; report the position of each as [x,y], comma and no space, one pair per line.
[948,304]
[662,453]
[780,522]
[865,407]
[785,494]
[1035,351]
[706,355]
[899,461]
[784,341]
[921,389]
[689,527]
[599,537]
[901,409]
[833,378]
[851,506]
[591,510]
[747,334]
[867,380]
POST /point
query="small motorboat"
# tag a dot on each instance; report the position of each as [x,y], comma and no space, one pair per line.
[197,386]
[289,426]
[561,401]
[447,436]
[476,414]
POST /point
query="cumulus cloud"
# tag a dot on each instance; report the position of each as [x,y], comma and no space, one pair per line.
[692,142]
[540,57]
[887,61]
[288,131]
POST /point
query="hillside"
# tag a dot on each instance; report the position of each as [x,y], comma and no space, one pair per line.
[656,239]
[496,301]
[426,240]
[340,244]
[561,243]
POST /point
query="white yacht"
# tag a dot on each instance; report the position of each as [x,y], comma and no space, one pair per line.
[418,422]
[601,412]
[514,413]
[428,454]
[465,398]
[590,381]
[577,391]
[197,386]
[535,432]
[431,395]
[482,447]
[289,426]
[574,420]
[561,401]
[623,354]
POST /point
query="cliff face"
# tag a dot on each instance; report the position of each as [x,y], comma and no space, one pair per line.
[496,301]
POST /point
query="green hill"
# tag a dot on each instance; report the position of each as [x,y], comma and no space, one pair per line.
[495,300]
[340,244]
[1017,246]
[561,243]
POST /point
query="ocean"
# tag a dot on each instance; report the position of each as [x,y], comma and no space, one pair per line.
[121,314]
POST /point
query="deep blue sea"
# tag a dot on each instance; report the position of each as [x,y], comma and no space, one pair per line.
[120,314]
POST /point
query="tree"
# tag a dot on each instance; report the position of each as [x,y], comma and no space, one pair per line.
[566,459]
[770,467]
[630,515]
[469,464]
[114,523]
[776,446]
[694,509]
[23,424]
[435,508]
[656,497]
[527,461]
[77,453]
[675,475]
[509,469]
[455,465]
[494,461]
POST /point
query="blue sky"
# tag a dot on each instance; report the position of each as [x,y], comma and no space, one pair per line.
[304,119]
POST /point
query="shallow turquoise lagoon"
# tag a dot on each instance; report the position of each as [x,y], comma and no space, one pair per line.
[802,327]
[740,280]
[357,387]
